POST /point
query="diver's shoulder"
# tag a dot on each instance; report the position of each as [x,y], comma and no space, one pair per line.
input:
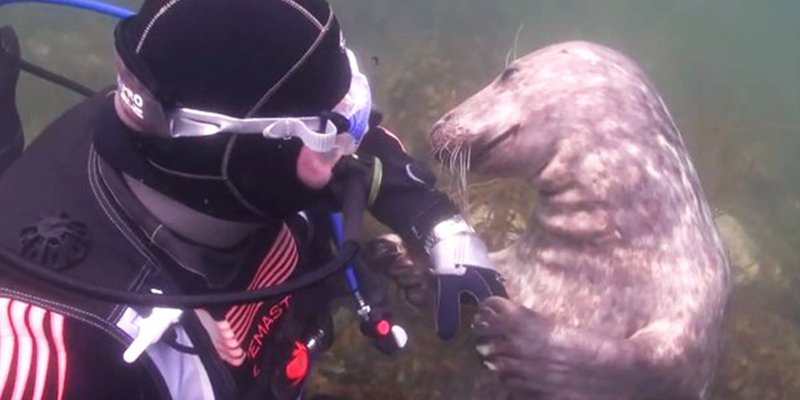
[79,123]
[60,152]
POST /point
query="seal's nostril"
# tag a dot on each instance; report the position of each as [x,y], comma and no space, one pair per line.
[438,125]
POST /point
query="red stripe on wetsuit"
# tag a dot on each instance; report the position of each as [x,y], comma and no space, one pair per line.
[33,356]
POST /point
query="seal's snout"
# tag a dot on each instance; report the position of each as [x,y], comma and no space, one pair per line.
[440,137]
[483,148]
[438,127]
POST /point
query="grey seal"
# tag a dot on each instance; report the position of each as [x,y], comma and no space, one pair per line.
[618,288]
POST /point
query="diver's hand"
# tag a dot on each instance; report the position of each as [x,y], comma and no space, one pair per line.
[462,267]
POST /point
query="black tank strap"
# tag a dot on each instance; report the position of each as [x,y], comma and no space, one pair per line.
[55,78]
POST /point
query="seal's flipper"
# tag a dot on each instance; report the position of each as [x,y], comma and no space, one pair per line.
[535,357]
[11,139]
[389,255]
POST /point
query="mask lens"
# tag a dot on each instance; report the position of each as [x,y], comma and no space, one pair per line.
[356,105]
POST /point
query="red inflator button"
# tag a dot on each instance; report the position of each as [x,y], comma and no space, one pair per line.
[383,327]
[297,368]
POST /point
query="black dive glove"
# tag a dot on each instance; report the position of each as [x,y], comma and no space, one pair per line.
[405,199]
[462,266]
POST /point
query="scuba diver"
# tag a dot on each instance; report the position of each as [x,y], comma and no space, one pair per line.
[234,130]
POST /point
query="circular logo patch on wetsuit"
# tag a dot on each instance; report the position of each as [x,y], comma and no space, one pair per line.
[56,241]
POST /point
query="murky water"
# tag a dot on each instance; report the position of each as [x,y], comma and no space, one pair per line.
[729,71]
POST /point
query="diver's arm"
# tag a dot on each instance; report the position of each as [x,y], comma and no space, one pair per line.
[406,200]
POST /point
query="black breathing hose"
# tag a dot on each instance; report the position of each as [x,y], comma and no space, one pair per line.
[55,78]
[347,251]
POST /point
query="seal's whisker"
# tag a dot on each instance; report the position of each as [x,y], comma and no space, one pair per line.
[440,149]
[450,159]
[456,154]
[454,157]
[469,157]
[512,54]
[461,176]
[449,156]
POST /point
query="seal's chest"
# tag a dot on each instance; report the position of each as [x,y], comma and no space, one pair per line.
[591,301]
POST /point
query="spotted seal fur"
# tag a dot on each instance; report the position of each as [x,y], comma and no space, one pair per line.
[618,289]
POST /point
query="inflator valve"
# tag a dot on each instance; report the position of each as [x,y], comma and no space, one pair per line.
[151,329]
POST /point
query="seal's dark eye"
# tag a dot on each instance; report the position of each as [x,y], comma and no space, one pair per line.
[506,75]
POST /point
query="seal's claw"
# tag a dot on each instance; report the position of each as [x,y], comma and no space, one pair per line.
[383,250]
[495,329]
[499,305]
[509,334]
[496,317]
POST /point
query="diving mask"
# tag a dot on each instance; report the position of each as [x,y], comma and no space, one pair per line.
[317,133]
[140,110]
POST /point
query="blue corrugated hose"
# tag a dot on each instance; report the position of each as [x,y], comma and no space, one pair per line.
[91,5]
[336,220]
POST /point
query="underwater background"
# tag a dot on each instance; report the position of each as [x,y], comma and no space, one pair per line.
[729,71]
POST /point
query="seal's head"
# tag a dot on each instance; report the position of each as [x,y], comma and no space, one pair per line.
[513,125]
[492,122]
